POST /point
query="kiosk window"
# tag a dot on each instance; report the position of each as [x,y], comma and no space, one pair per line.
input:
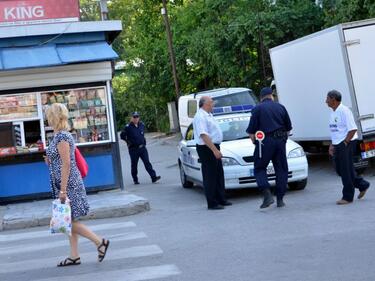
[87,113]
[32,132]
[18,107]
[6,135]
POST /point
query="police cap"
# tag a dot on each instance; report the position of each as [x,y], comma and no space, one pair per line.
[265,92]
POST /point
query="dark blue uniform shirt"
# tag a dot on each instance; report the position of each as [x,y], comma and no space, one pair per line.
[269,116]
[133,135]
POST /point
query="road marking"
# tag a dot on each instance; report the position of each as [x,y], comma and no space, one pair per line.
[86,258]
[134,274]
[45,233]
[54,244]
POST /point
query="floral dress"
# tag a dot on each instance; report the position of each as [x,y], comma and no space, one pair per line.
[75,190]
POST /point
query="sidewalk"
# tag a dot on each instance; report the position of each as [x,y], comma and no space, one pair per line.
[105,204]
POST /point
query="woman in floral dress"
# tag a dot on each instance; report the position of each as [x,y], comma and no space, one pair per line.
[66,182]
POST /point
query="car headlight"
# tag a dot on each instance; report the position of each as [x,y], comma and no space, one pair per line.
[227,161]
[297,152]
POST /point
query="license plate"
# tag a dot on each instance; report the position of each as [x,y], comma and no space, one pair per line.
[270,171]
[368,154]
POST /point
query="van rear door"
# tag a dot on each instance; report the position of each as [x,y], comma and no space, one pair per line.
[360,45]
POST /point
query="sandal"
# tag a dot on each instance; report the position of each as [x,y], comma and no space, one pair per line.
[101,255]
[70,261]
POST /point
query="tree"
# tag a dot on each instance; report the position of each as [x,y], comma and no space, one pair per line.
[340,11]
[218,43]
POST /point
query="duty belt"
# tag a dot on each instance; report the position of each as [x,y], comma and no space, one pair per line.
[137,146]
[279,134]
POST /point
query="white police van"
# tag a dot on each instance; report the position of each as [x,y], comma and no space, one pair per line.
[232,110]
[226,100]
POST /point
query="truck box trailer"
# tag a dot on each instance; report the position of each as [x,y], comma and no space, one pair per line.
[341,57]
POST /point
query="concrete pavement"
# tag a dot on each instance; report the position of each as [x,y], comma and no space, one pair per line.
[106,204]
[310,239]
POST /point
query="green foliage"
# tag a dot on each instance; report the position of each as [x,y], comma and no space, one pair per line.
[90,10]
[340,11]
[218,43]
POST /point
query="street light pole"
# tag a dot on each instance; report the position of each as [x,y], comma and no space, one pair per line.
[164,12]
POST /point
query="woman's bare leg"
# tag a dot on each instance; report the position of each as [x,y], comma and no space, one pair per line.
[73,240]
[81,229]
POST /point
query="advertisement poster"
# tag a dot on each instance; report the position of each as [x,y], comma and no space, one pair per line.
[17,12]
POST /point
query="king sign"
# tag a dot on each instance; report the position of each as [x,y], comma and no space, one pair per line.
[18,12]
[23,13]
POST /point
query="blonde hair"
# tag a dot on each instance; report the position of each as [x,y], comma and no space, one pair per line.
[57,116]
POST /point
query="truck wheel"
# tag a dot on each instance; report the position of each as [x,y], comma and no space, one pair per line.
[298,185]
[185,183]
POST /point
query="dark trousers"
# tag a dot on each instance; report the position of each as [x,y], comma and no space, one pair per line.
[135,154]
[273,149]
[213,176]
[345,169]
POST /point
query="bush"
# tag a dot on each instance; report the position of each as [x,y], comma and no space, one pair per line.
[152,109]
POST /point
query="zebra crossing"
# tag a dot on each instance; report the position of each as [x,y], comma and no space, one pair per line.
[33,254]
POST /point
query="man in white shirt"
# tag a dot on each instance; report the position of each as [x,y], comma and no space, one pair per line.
[344,135]
[208,136]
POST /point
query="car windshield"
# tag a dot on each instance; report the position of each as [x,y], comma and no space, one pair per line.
[240,98]
[234,128]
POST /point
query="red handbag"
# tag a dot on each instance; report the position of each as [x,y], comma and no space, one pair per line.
[81,163]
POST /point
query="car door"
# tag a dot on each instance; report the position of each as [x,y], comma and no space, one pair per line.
[190,159]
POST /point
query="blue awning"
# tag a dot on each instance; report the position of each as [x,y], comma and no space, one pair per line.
[55,54]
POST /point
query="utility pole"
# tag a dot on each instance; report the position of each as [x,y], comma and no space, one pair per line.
[103,9]
[164,12]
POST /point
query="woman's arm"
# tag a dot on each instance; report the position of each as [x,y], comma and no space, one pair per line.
[64,151]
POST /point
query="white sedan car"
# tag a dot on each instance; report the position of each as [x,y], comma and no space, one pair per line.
[238,160]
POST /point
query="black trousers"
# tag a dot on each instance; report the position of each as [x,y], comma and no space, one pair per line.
[135,154]
[345,169]
[213,176]
[273,149]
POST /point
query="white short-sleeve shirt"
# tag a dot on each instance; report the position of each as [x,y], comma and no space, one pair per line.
[340,123]
[205,123]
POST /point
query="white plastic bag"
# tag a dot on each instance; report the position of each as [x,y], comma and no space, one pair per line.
[61,221]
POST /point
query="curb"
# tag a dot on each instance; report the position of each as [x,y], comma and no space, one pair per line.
[102,205]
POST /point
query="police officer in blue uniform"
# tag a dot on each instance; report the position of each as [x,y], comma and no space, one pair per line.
[133,135]
[273,119]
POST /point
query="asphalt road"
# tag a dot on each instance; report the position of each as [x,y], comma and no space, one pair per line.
[179,239]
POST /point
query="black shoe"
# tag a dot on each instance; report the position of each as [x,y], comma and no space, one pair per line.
[226,203]
[363,192]
[268,199]
[218,207]
[280,203]
[155,179]
[136,182]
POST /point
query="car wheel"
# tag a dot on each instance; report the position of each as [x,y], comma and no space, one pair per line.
[298,185]
[185,183]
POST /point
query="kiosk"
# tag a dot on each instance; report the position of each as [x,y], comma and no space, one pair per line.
[68,62]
